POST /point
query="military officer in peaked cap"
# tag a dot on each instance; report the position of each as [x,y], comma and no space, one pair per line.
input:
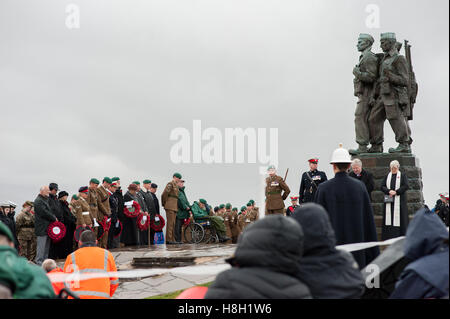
[310,181]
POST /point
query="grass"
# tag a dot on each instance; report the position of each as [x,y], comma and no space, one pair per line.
[174,294]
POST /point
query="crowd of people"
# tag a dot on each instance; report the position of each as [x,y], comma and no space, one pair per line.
[117,218]
[296,259]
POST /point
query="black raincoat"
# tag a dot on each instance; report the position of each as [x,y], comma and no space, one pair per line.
[265,263]
[327,271]
[348,205]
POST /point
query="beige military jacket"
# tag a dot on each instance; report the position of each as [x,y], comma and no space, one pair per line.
[169,197]
[81,210]
[103,203]
[253,214]
[235,229]
[93,202]
[274,192]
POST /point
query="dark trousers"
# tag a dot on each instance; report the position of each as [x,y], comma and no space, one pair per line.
[177,231]
[113,242]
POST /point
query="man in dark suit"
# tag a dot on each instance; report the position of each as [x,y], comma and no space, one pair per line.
[347,202]
[364,176]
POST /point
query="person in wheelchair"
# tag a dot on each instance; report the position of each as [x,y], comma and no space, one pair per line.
[200,212]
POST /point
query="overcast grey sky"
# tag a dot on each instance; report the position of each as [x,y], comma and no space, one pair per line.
[103,99]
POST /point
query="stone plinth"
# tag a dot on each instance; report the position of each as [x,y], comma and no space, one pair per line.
[378,165]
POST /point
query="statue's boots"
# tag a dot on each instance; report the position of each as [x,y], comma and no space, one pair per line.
[401,148]
[361,149]
[375,148]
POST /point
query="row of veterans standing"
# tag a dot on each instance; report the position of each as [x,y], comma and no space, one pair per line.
[346,200]
[99,207]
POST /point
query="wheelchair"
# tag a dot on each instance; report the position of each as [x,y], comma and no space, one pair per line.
[200,231]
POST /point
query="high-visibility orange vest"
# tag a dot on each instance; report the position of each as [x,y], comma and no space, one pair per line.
[92,260]
[57,286]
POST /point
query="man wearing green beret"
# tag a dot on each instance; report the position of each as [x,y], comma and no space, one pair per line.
[93,201]
[18,278]
[199,211]
[228,220]
[233,222]
[221,211]
[169,200]
[183,212]
[391,98]
[104,209]
[241,218]
[253,211]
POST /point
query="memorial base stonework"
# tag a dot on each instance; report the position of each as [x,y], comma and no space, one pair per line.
[378,165]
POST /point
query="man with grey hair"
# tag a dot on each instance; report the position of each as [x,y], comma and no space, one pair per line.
[43,217]
[366,73]
[48,265]
[361,174]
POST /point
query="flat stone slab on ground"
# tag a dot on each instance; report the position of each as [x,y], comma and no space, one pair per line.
[139,288]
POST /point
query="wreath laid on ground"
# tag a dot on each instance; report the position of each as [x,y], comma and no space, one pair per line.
[143,222]
[132,211]
[158,223]
[56,231]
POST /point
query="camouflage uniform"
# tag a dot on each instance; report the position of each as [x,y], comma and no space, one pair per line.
[25,235]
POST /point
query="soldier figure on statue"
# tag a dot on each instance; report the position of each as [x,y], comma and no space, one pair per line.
[366,73]
[391,98]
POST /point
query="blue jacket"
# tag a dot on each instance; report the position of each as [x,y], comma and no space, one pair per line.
[427,275]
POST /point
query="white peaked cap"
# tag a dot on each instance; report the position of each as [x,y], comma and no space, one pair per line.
[340,155]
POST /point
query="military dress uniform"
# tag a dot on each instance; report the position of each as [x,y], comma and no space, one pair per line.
[235,229]
[104,210]
[290,210]
[227,216]
[169,200]
[276,192]
[81,210]
[308,185]
[93,206]
[25,235]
